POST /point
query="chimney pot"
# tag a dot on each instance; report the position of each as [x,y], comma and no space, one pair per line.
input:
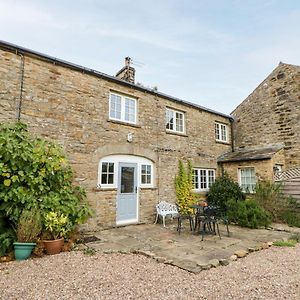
[127,73]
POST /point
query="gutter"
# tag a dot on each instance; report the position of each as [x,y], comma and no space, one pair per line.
[21,50]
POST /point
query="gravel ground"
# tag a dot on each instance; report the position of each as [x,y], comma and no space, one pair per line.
[269,274]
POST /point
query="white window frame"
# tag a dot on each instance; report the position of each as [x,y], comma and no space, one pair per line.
[119,158]
[221,132]
[241,183]
[175,125]
[147,184]
[202,173]
[107,185]
[124,101]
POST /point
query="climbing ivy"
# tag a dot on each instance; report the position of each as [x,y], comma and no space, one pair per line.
[184,186]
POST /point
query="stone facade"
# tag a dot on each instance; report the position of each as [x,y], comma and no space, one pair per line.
[271,114]
[264,168]
[70,105]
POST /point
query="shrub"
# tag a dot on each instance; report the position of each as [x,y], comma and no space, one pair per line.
[7,236]
[282,208]
[29,226]
[247,213]
[35,174]
[269,195]
[223,189]
[292,218]
[57,225]
[184,186]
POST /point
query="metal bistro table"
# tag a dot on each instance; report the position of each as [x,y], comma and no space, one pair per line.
[206,220]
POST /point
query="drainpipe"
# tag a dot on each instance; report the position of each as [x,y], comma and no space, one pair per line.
[232,134]
[19,104]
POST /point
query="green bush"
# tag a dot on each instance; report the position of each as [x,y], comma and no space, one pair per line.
[184,186]
[292,218]
[247,213]
[7,236]
[29,226]
[269,195]
[35,174]
[282,208]
[223,189]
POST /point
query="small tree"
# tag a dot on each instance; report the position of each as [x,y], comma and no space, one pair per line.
[184,186]
[224,189]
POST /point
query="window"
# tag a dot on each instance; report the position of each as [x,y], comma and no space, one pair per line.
[107,173]
[203,179]
[146,174]
[221,132]
[174,120]
[122,108]
[247,179]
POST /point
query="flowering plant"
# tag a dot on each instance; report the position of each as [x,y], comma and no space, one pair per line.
[58,225]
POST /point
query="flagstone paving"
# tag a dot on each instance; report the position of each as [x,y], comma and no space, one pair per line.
[186,250]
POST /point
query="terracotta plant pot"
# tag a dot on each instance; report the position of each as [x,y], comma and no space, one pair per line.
[54,246]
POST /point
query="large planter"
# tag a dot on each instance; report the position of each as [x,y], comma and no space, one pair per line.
[23,250]
[54,246]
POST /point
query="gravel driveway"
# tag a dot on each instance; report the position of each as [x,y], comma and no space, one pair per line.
[269,274]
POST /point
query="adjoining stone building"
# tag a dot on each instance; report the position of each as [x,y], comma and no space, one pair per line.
[124,141]
[267,129]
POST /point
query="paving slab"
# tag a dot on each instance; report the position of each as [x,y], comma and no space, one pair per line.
[186,250]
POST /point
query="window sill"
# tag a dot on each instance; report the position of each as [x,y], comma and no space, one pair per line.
[222,142]
[148,188]
[124,123]
[103,189]
[176,133]
[202,192]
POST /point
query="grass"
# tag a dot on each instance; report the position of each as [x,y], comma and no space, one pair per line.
[89,251]
[289,243]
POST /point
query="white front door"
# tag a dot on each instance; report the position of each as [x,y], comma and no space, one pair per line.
[127,204]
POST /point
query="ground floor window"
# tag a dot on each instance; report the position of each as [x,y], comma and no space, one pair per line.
[203,179]
[107,173]
[146,174]
[247,179]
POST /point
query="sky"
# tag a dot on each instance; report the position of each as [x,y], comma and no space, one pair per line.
[210,52]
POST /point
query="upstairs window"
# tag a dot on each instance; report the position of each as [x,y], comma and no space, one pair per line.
[203,179]
[122,108]
[247,179]
[221,132]
[174,120]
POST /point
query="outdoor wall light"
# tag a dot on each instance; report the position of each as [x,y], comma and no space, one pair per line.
[130,137]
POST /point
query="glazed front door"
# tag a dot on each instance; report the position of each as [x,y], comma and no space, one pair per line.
[127,208]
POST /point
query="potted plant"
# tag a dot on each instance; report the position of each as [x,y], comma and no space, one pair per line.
[57,226]
[28,229]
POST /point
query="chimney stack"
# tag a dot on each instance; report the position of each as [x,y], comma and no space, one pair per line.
[127,73]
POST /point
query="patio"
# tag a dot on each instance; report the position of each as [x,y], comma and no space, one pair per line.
[186,250]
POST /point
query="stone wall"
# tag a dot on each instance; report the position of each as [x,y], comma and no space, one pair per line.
[71,108]
[271,114]
[263,168]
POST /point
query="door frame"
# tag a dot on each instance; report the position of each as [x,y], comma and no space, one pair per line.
[135,165]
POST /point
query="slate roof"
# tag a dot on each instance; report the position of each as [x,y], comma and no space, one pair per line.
[251,154]
[18,49]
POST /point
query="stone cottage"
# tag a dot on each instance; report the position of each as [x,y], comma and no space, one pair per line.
[124,141]
[267,130]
